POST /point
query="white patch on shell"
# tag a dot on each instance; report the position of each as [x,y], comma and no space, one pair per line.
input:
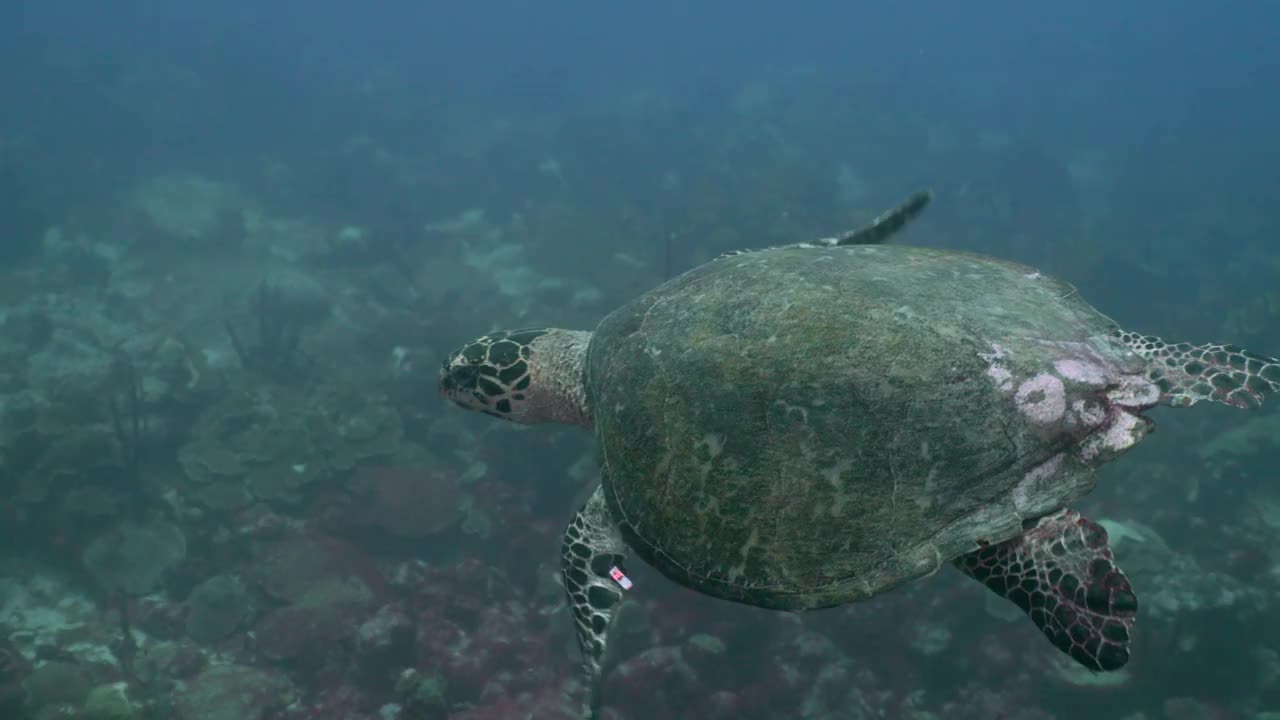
[1036,492]
[925,499]
[1089,414]
[996,369]
[1081,372]
[803,412]
[833,475]
[737,571]
[1043,399]
[1122,434]
[1135,391]
[713,443]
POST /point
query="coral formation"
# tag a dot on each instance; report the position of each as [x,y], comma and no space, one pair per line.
[404,502]
[216,608]
[269,442]
[132,558]
[233,692]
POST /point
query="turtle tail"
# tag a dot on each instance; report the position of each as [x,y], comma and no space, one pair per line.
[1187,374]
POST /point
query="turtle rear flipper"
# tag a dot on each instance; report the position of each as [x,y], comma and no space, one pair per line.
[1060,572]
[1187,374]
[591,557]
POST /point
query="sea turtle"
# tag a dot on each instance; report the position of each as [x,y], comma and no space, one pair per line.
[809,425]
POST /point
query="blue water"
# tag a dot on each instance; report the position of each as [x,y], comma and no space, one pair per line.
[419,173]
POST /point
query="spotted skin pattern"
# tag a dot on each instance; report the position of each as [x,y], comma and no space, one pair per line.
[1187,374]
[590,548]
[1062,575]
[491,373]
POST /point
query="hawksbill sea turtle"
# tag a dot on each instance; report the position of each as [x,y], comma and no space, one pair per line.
[810,425]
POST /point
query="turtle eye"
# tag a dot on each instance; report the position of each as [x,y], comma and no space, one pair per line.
[465,376]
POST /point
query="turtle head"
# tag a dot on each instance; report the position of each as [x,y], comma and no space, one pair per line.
[526,376]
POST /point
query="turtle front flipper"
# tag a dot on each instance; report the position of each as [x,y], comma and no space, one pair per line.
[1060,572]
[591,559]
[1187,374]
[881,229]
[888,223]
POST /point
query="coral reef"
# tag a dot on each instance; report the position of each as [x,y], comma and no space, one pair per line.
[282,307]
[269,442]
[217,608]
[233,692]
[132,558]
[404,502]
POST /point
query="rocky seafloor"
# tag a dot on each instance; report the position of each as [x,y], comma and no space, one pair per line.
[228,491]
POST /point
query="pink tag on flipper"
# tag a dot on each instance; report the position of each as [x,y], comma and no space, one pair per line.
[620,577]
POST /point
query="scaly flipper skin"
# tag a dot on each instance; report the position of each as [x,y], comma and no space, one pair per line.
[591,549]
[1187,374]
[1060,572]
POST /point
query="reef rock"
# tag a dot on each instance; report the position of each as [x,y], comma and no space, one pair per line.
[314,571]
[233,692]
[132,558]
[217,608]
[404,502]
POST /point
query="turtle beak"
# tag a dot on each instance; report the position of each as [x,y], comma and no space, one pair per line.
[447,387]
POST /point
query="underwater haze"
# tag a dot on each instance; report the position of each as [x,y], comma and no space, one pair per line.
[238,241]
